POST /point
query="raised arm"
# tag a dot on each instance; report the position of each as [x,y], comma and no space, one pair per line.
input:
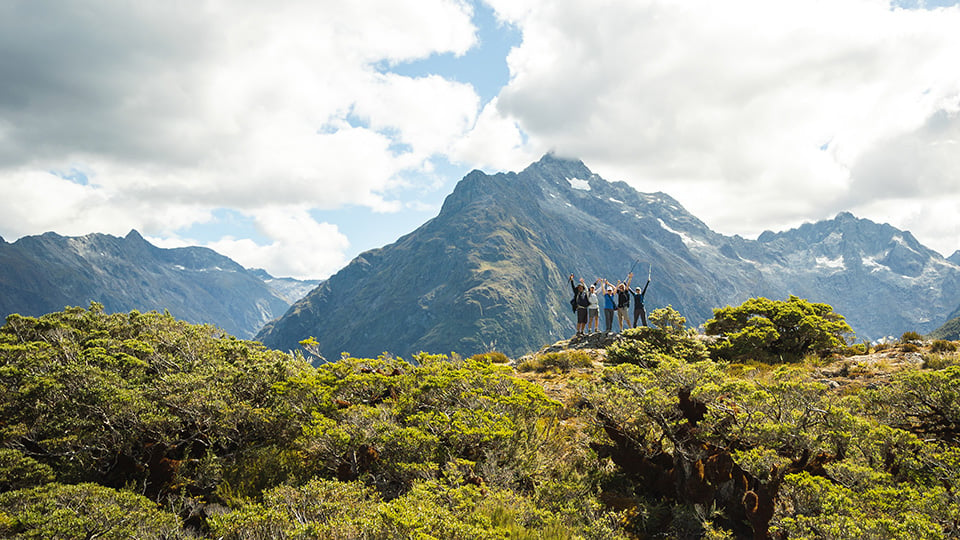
[629,279]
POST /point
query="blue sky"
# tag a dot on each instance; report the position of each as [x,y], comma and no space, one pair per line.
[484,67]
[294,136]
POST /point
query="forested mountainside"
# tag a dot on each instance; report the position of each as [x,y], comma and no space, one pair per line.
[949,329]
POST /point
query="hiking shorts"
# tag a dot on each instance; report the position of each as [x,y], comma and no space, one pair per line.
[581,315]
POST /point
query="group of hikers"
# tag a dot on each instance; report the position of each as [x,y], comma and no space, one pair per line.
[616,301]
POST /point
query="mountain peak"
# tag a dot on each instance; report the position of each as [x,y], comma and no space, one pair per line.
[134,235]
[551,157]
[550,165]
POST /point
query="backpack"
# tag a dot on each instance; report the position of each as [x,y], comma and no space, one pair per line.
[573,303]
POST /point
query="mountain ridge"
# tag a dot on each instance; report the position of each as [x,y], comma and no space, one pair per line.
[489,271]
[43,273]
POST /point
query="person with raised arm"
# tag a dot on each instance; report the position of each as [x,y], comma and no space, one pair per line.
[623,302]
[593,310]
[609,305]
[580,302]
[638,309]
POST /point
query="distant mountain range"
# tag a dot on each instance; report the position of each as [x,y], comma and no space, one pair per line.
[490,271]
[42,274]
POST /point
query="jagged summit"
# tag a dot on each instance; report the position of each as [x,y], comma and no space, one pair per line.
[134,235]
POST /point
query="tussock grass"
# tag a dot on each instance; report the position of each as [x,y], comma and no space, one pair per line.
[557,361]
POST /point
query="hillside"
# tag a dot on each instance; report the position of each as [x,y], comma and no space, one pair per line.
[141,426]
[43,274]
[489,271]
[949,329]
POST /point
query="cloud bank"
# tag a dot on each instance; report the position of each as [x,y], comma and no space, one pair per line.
[754,114]
[153,115]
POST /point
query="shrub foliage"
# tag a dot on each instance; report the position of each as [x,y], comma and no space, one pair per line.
[776,331]
[139,425]
[668,336]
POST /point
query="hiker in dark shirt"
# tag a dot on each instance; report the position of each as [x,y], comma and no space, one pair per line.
[623,302]
[638,310]
[580,302]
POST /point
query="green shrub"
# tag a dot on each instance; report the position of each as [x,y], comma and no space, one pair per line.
[18,471]
[107,397]
[776,331]
[432,509]
[942,345]
[940,360]
[644,345]
[857,349]
[828,509]
[396,423]
[909,347]
[84,511]
[747,370]
[830,466]
[908,337]
[493,357]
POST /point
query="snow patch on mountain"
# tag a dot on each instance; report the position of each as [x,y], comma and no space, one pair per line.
[687,240]
[824,262]
[577,183]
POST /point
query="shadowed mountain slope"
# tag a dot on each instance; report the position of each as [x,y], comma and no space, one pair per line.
[42,274]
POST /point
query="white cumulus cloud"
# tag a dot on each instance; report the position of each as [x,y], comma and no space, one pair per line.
[176,109]
[755,114]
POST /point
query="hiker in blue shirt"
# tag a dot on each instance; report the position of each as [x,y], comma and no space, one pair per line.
[609,305]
